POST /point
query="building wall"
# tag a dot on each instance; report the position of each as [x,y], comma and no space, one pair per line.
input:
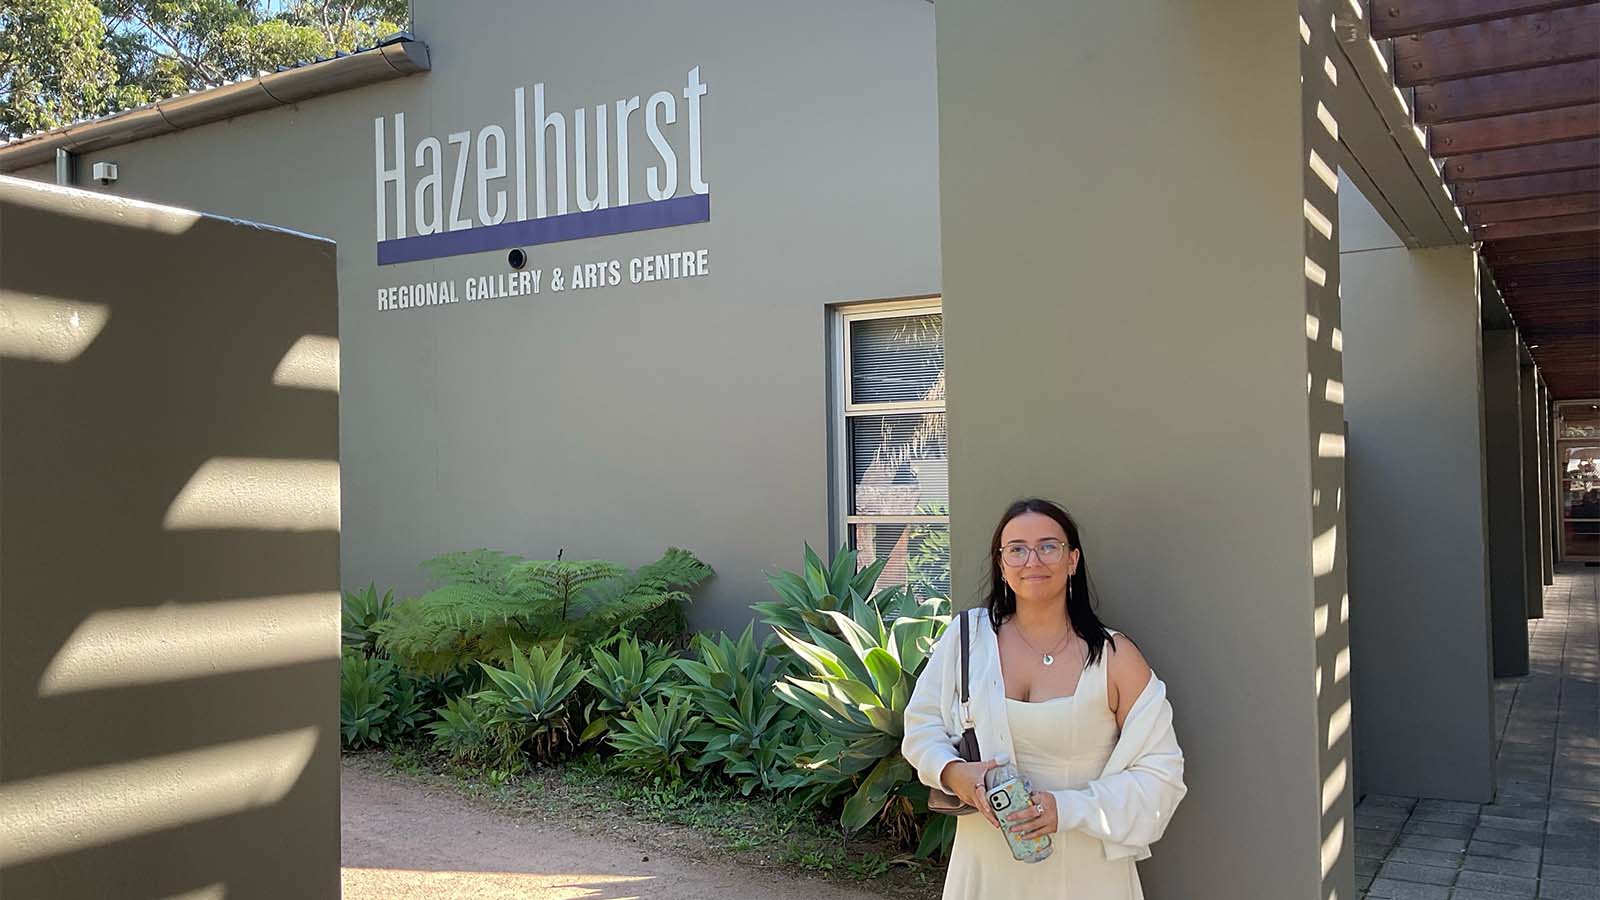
[1126,301]
[1532,538]
[170,578]
[1424,701]
[610,422]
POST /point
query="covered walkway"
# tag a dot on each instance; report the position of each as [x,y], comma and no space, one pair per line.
[1541,837]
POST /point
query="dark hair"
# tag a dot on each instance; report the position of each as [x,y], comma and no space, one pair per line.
[1080,596]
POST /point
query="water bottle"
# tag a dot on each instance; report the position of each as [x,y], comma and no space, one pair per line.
[1008,790]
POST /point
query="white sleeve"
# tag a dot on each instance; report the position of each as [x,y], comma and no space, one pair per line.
[928,744]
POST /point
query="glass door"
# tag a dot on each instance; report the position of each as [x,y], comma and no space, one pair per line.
[1578,468]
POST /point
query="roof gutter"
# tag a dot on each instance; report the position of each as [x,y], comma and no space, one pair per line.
[396,58]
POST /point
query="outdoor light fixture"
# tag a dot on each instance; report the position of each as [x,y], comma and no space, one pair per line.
[517,258]
[105,172]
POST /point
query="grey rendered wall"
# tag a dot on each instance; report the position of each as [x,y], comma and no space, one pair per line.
[1541,428]
[169,561]
[1532,535]
[1126,303]
[1508,586]
[611,422]
[1419,596]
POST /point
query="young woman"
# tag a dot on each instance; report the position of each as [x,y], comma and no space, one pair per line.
[1071,703]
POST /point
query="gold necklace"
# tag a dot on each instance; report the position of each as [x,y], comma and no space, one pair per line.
[1048,658]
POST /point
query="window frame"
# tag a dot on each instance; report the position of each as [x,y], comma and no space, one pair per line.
[841,410]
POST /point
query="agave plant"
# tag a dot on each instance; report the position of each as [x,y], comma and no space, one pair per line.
[462,730]
[810,759]
[527,703]
[490,600]
[654,740]
[858,686]
[361,614]
[407,709]
[805,598]
[365,685]
[746,723]
[622,682]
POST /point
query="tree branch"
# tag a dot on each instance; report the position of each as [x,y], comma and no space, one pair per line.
[198,65]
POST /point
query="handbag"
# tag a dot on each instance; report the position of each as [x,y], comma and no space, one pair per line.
[967,747]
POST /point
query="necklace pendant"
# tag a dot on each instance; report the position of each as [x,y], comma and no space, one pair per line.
[1049,660]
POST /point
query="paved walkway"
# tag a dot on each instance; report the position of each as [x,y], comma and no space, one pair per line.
[1541,838]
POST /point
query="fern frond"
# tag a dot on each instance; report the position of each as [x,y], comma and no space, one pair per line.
[481,566]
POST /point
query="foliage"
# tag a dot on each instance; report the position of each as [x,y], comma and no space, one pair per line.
[54,65]
[364,685]
[928,552]
[461,732]
[745,723]
[361,613]
[857,691]
[805,598]
[62,60]
[490,600]
[812,774]
[527,704]
[654,739]
[622,682]
[378,702]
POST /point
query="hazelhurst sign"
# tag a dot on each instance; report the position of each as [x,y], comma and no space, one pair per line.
[427,209]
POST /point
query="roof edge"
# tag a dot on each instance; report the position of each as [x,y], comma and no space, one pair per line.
[396,57]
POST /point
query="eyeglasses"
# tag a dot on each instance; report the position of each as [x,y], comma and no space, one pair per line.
[1048,551]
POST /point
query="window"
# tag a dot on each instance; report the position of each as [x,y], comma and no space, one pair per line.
[891,444]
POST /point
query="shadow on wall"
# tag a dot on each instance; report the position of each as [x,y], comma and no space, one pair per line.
[169,560]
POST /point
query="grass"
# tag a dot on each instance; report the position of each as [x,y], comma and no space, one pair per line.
[698,820]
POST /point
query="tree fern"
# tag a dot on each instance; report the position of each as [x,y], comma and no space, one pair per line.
[490,599]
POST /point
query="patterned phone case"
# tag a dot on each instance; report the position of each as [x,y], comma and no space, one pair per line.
[1007,797]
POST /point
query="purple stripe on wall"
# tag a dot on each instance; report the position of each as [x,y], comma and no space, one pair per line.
[549,230]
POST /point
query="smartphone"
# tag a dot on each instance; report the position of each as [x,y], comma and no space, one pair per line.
[1008,790]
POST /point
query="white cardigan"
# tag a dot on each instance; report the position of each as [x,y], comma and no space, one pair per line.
[1127,808]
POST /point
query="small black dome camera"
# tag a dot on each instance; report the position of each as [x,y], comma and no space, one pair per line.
[517,258]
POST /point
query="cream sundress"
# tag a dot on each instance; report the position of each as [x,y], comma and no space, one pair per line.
[1060,744]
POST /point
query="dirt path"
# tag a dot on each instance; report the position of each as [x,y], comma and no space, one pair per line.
[404,841]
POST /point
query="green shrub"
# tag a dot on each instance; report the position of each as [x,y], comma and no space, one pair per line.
[461,732]
[811,772]
[622,682]
[408,708]
[361,614]
[528,702]
[364,698]
[928,554]
[857,691]
[489,601]
[378,701]
[744,722]
[654,739]
[805,598]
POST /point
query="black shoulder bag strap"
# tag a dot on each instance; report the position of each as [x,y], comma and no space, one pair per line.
[968,747]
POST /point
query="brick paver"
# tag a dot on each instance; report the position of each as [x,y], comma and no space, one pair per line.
[1541,836]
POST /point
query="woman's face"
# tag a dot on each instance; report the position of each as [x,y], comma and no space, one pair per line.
[1037,541]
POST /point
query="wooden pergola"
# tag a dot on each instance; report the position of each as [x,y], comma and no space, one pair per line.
[1508,94]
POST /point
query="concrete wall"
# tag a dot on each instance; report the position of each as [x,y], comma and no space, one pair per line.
[1532,520]
[611,422]
[1126,303]
[169,565]
[1508,586]
[1547,531]
[1419,597]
